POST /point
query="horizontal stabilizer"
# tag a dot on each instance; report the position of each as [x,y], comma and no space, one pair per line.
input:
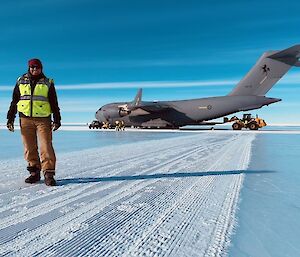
[289,56]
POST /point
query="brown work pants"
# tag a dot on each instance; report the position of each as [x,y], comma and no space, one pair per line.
[34,131]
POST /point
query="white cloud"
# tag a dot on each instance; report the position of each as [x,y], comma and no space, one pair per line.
[137,84]
[6,88]
[147,84]
[292,78]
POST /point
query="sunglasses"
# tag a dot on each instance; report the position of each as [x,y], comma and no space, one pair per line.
[34,67]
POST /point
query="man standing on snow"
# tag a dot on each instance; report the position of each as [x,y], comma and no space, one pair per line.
[34,97]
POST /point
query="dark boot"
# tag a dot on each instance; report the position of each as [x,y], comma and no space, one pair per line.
[49,179]
[35,175]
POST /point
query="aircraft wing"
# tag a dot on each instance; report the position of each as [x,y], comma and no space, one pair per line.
[144,108]
[153,107]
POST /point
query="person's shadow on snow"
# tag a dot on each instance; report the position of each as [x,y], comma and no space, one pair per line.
[84,180]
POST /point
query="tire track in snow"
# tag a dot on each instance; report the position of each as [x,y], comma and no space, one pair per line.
[224,227]
[149,245]
[147,253]
[123,194]
[109,242]
[106,169]
[37,234]
[13,165]
[88,157]
[109,249]
[74,195]
[33,212]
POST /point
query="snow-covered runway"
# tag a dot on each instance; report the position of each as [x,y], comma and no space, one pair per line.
[169,197]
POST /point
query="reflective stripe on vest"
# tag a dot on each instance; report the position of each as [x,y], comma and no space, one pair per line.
[34,98]
[36,104]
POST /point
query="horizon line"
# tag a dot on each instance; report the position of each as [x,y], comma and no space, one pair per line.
[137,84]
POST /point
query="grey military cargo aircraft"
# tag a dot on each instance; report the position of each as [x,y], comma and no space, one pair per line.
[249,94]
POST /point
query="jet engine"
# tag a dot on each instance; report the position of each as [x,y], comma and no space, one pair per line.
[124,110]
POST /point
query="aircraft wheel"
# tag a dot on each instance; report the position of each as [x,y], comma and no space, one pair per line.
[236,126]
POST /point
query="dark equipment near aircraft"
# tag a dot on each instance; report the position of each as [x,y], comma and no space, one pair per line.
[95,124]
[249,94]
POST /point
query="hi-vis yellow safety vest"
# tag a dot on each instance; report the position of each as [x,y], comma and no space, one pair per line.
[36,104]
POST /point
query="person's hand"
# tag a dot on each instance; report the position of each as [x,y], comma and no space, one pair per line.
[10,126]
[56,125]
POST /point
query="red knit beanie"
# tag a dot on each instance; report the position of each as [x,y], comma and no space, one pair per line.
[35,63]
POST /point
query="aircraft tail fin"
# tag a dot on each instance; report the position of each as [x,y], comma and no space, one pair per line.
[270,68]
[138,98]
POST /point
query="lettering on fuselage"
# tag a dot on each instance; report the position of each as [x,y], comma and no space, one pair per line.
[208,107]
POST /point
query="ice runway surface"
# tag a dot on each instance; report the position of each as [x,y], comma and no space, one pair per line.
[167,197]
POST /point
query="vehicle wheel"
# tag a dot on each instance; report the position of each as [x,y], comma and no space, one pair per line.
[253,126]
[236,126]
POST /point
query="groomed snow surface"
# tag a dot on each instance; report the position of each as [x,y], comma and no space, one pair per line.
[167,197]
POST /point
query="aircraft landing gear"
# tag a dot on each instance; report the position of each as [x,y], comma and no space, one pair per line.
[106,125]
[119,125]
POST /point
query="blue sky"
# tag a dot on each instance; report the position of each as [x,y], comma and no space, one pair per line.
[109,48]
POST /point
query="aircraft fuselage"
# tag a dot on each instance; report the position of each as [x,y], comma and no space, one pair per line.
[182,112]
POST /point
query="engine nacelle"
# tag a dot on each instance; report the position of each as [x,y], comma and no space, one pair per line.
[124,110]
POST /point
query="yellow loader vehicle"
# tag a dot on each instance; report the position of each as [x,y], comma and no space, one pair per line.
[247,122]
